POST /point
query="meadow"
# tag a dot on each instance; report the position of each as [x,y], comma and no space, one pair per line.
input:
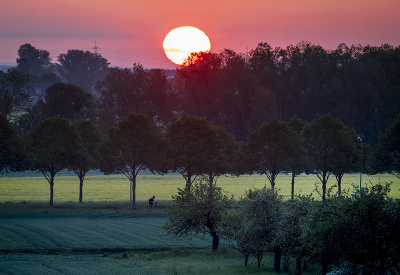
[103,235]
[33,187]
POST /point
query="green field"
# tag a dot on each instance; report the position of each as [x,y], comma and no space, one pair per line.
[103,235]
[108,238]
[114,188]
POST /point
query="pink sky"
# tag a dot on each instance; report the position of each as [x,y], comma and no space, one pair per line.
[132,31]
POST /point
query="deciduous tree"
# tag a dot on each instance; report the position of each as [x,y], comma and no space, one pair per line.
[270,147]
[82,68]
[91,155]
[132,146]
[67,100]
[387,155]
[53,146]
[198,211]
[193,144]
[13,96]
[331,147]
[33,62]
[12,154]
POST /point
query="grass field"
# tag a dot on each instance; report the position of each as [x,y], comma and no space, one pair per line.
[107,188]
[103,235]
[108,238]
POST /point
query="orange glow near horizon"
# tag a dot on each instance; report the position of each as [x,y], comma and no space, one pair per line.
[181,42]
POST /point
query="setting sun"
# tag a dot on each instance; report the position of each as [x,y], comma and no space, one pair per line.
[181,42]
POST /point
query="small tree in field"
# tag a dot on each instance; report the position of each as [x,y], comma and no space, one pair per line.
[53,146]
[252,226]
[134,146]
[198,211]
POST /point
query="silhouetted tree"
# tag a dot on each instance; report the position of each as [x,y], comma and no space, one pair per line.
[91,150]
[12,151]
[387,155]
[198,210]
[53,146]
[132,146]
[13,96]
[67,100]
[193,144]
[82,68]
[270,148]
[34,62]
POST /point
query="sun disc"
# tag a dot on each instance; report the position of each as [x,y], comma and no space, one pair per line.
[181,42]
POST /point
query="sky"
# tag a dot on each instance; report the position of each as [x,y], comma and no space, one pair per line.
[132,31]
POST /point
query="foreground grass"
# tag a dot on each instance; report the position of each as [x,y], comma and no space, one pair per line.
[108,238]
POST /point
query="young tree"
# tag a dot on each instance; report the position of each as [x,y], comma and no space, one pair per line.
[133,146]
[198,211]
[270,147]
[193,144]
[387,155]
[53,146]
[91,141]
[294,212]
[12,154]
[252,226]
[13,85]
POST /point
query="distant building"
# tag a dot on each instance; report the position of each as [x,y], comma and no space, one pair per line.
[37,91]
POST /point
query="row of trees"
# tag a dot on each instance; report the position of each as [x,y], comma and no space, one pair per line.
[195,148]
[351,233]
[358,85]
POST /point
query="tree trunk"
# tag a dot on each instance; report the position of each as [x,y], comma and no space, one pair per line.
[189,181]
[211,178]
[51,190]
[259,258]
[81,178]
[323,186]
[324,267]
[293,176]
[339,183]
[298,266]
[215,241]
[133,192]
[246,259]
[277,259]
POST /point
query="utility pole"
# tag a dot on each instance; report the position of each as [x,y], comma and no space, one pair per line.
[95,48]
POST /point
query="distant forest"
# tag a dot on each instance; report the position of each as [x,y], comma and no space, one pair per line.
[358,85]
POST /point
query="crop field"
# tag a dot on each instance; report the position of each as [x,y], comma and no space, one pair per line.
[103,235]
[114,188]
[108,238]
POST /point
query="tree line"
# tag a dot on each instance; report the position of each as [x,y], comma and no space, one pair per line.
[358,85]
[195,148]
